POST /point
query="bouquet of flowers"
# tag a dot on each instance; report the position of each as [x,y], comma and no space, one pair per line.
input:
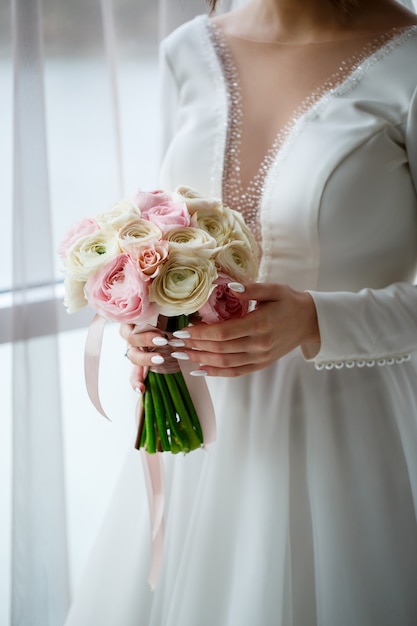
[161,259]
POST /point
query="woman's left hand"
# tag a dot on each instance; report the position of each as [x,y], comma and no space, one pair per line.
[282,320]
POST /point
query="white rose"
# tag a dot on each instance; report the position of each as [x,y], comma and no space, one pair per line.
[118,214]
[89,253]
[184,283]
[237,261]
[190,237]
[194,200]
[74,298]
[138,231]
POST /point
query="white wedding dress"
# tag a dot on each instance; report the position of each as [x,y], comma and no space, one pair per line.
[303,512]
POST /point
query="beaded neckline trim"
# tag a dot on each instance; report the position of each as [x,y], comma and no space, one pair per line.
[248,200]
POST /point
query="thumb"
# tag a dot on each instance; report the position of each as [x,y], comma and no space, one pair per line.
[262,292]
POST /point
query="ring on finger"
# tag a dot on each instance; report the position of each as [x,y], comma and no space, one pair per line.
[127,351]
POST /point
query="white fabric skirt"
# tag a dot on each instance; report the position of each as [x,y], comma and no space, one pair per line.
[301,514]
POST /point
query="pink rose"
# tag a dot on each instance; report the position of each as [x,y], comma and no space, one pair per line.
[168,215]
[118,292]
[86,226]
[149,257]
[159,208]
[148,199]
[222,304]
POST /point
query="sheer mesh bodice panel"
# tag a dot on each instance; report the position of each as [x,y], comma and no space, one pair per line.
[270,87]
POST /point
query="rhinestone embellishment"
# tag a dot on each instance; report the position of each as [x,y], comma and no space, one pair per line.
[248,200]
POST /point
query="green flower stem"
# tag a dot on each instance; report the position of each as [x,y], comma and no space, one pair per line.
[170,421]
[170,414]
[195,441]
[182,321]
[140,437]
[150,423]
[143,434]
[160,415]
[189,404]
[179,432]
[176,323]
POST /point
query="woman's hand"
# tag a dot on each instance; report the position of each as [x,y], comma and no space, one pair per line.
[282,320]
[144,350]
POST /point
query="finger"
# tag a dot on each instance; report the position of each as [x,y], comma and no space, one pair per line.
[193,336]
[125,330]
[223,360]
[144,358]
[243,328]
[137,378]
[261,292]
[148,339]
[245,344]
[229,372]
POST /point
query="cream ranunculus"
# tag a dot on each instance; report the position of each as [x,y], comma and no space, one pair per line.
[238,261]
[138,231]
[74,299]
[194,200]
[119,214]
[183,284]
[215,222]
[189,238]
[89,253]
[239,229]
[226,226]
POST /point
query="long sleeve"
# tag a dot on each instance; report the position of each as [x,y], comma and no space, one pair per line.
[372,326]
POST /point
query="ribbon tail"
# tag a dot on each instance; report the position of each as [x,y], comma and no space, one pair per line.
[92,361]
[201,398]
[154,479]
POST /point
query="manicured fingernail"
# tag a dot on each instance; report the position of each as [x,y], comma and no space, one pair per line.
[137,389]
[159,341]
[176,343]
[157,360]
[198,373]
[182,334]
[236,287]
[182,356]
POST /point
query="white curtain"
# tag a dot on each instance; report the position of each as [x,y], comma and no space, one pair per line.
[410,4]
[78,125]
[40,585]
[77,135]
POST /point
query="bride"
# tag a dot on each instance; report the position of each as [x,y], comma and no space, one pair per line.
[301,114]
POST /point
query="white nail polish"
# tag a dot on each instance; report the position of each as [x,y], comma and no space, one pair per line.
[182,356]
[236,287]
[198,373]
[159,341]
[182,334]
[176,343]
[137,390]
[157,360]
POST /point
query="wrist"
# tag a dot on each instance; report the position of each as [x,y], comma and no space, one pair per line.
[310,341]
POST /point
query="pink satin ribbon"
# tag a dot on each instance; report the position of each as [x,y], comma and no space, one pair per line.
[92,361]
[201,398]
[154,480]
[152,463]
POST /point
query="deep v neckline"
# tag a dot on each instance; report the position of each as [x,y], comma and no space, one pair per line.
[248,198]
